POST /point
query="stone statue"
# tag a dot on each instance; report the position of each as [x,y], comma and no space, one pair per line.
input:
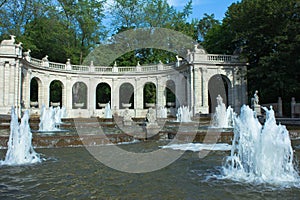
[255,98]
[199,50]
[11,41]
[45,62]
[255,103]
[151,116]
[27,55]
[126,115]
[45,59]
[127,121]
[68,64]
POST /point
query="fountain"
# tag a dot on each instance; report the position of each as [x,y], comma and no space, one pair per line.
[59,114]
[108,113]
[50,119]
[259,153]
[20,150]
[162,112]
[190,172]
[222,118]
[183,114]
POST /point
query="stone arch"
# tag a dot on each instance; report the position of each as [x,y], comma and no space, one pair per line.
[149,94]
[219,84]
[126,95]
[56,93]
[79,95]
[103,94]
[35,92]
[170,92]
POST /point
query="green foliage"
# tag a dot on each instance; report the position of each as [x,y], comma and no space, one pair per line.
[61,29]
[55,91]
[207,23]
[149,93]
[170,95]
[150,14]
[140,43]
[266,33]
[34,90]
[103,93]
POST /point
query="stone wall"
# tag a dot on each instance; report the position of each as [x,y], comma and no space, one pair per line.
[191,78]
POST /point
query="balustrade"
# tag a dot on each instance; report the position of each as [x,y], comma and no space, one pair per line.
[213,58]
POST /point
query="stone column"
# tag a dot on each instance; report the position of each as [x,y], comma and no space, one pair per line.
[139,98]
[46,92]
[160,92]
[115,99]
[91,96]
[40,93]
[18,95]
[197,91]
[204,91]
[6,84]
[15,96]
[69,85]
[64,94]
[26,89]
[178,91]
[190,89]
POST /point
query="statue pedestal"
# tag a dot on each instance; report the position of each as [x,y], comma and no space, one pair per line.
[152,129]
[257,109]
[127,122]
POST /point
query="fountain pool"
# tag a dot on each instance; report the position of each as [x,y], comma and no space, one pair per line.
[72,173]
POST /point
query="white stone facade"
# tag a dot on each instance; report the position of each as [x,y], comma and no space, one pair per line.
[194,78]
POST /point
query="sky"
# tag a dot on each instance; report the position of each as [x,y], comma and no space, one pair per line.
[200,7]
[216,7]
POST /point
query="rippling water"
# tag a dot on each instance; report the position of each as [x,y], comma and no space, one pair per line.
[72,173]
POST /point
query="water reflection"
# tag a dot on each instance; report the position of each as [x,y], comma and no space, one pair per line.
[73,173]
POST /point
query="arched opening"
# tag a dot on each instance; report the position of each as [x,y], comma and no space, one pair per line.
[79,95]
[149,94]
[56,87]
[103,95]
[35,88]
[218,85]
[170,94]
[126,94]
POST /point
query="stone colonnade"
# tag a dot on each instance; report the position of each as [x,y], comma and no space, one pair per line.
[195,81]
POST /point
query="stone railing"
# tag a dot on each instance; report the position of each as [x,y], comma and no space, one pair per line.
[213,58]
[206,58]
[99,69]
[221,58]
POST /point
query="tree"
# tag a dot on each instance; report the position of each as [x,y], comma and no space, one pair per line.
[15,15]
[60,29]
[135,14]
[149,93]
[205,24]
[267,34]
[85,19]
